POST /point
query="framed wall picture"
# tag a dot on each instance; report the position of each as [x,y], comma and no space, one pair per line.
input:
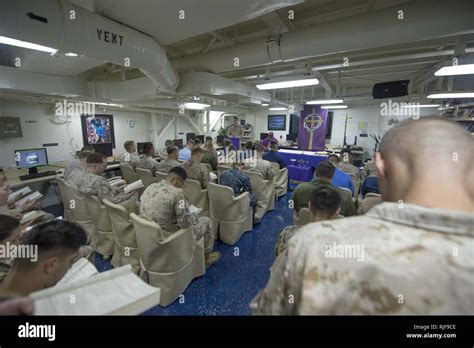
[98,129]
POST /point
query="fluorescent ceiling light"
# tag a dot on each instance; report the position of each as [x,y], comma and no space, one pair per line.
[451,95]
[325,102]
[288,84]
[196,106]
[466,69]
[70,54]
[277,109]
[24,44]
[420,105]
[265,104]
[334,107]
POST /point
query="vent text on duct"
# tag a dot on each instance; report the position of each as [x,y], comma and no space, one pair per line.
[110,37]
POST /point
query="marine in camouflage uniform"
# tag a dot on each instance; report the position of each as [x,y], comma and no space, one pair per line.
[76,176]
[264,167]
[348,168]
[132,159]
[167,205]
[197,171]
[239,183]
[369,169]
[166,165]
[72,165]
[147,162]
[414,260]
[97,185]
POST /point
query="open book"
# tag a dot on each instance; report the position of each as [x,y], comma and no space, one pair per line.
[212,176]
[117,292]
[32,215]
[81,269]
[133,186]
[194,210]
[35,196]
[117,182]
[17,194]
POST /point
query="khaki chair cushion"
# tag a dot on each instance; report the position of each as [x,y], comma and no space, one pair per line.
[160,176]
[170,263]
[81,214]
[146,176]
[65,199]
[197,196]
[230,215]
[302,217]
[128,173]
[280,179]
[126,247]
[264,191]
[105,239]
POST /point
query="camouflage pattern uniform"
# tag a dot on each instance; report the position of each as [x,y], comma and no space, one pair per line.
[348,168]
[197,171]
[132,159]
[147,162]
[167,205]
[76,176]
[74,164]
[166,165]
[415,260]
[239,183]
[284,237]
[97,185]
[369,169]
[264,167]
[235,131]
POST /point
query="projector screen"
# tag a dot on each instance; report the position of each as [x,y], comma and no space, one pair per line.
[276,122]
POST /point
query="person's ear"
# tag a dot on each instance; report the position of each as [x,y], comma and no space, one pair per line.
[380,165]
[338,211]
[50,265]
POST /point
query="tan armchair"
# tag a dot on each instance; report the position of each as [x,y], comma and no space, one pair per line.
[264,191]
[170,263]
[128,173]
[197,196]
[280,179]
[146,176]
[126,248]
[81,214]
[231,216]
[160,176]
[65,199]
[105,238]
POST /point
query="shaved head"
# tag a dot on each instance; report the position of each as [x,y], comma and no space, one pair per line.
[426,158]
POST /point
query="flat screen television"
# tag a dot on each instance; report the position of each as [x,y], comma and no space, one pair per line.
[277,122]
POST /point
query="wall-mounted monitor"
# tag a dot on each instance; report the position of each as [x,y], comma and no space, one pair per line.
[98,129]
[277,122]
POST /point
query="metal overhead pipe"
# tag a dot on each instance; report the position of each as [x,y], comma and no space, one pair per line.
[67,28]
[422,20]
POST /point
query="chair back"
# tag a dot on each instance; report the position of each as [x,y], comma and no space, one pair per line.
[128,173]
[197,196]
[146,176]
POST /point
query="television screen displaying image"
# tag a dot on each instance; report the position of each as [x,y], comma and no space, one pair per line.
[98,129]
[276,122]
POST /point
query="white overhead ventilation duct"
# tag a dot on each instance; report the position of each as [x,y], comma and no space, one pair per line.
[203,83]
[61,25]
[423,20]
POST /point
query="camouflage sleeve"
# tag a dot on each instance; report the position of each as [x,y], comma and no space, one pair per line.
[205,176]
[283,239]
[282,294]
[348,206]
[184,218]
